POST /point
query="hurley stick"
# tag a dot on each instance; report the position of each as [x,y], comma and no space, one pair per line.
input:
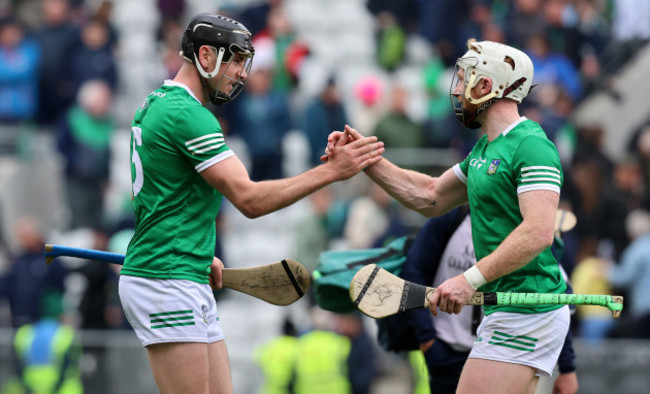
[279,283]
[378,293]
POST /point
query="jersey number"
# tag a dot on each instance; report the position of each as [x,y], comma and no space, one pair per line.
[135,159]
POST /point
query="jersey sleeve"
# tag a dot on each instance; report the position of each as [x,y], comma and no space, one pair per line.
[460,169]
[199,137]
[537,166]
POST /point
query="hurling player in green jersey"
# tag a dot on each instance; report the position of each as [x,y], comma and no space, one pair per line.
[181,168]
[511,180]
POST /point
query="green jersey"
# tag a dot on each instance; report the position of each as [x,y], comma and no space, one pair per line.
[173,139]
[519,160]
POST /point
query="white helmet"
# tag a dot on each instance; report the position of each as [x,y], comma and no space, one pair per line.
[510,70]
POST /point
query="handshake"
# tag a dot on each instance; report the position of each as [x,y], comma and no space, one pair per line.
[351,145]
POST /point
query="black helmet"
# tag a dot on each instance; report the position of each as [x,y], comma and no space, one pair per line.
[227,36]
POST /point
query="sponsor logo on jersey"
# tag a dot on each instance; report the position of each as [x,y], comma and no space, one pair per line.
[477,162]
[494,165]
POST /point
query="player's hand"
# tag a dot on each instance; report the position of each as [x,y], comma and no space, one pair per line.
[216,272]
[334,137]
[451,295]
[349,156]
[424,346]
[566,383]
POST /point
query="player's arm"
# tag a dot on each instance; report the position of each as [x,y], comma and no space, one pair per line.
[255,199]
[534,234]
[430,196]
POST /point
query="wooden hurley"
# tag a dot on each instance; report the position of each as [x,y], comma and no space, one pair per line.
[280,283]
[378,293]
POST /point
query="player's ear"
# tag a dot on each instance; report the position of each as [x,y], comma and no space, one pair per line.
[485,86]
[206,55]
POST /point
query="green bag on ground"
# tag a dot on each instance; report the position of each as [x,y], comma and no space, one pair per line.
[332,277]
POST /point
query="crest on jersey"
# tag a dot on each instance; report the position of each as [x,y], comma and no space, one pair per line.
[492,169]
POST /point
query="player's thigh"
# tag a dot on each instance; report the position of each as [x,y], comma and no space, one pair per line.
[181,367]
[496,377]
[220,380]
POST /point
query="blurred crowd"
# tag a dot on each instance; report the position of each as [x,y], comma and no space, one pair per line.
[60,79]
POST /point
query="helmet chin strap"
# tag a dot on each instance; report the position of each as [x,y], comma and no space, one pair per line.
[467,118]
[212,94]
[213,73]
[468,94]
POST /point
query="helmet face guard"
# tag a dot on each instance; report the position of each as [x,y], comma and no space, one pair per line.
[219,96]
[467,118]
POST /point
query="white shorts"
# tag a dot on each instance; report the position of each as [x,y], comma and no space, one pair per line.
[534,340]
[170,310]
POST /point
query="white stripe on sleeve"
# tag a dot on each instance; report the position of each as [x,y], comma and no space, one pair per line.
[214,160]
[459,173]
[203,137]
[542,179]
[538,186]
[547,168]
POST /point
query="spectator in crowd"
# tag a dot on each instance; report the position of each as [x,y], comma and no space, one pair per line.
[438,22]
[367,105]
[391,42]
[590,277]
[632,274]
[280,32]
[19,62]
[405,12]
[479,17]
[101,281]
[29,278]
[255,15]
[335,356]
[84,138]
[46,353]
[262,117]
[397,129]
[553,67]
[361,365]
[93,58]
[277,360]
[544,111]
[639,147]
[170,39]
[171,10]
[523,19]
[58,38]
[562,31]
[441,127]
[323,114]
[589,178]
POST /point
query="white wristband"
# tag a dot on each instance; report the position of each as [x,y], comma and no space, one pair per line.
[474,277]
